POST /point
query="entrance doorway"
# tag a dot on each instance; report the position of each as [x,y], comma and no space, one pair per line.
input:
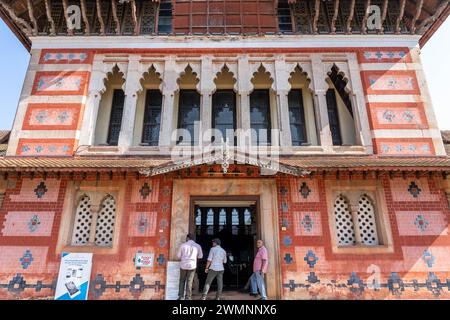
[234,222]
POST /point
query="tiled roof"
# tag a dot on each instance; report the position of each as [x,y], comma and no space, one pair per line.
[3,148]
[4,136]
[303,163]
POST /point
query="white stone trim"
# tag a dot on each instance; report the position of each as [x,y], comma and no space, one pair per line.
[194,42]
[405,133]
[393,98]
[390,66]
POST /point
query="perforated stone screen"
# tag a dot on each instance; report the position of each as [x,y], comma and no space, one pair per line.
[104,229]
[344,222]
[82,223]
[366,221]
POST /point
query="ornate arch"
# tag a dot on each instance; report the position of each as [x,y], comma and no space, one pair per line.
[220,69]
[266,69]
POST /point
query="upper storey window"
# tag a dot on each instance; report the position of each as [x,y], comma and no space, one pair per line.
[165,17]
[224,17]
[284,17]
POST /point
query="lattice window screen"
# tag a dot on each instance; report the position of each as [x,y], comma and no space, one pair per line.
[344,222]
[83,220]
[104,229]
[366,221]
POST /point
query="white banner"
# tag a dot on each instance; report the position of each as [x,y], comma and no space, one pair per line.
[74,275]
[172,280]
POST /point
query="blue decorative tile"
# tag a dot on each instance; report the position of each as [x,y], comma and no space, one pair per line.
[395,284]
[33,223]
[355,284]
[428,258]
[421,223]
[311,259]
[414,189]
[283,191]
[284,207]
[287,241]
[312,278]
[304,190]
[26,259]
[162,242]
[284,222]
[161,259]
[145,190]
[137,285]
[307,223]
[41,190]
[288,258]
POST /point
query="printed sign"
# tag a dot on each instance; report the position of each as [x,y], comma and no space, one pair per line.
[144,259]
[73,277]
[173,280]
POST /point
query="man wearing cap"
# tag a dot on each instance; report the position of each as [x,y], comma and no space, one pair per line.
[188,254]
[214,268]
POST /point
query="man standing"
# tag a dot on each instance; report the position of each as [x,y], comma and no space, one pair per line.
[188,253]
[259,270]
[214,268]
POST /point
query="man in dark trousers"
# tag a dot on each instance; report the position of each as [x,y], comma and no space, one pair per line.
[188,254]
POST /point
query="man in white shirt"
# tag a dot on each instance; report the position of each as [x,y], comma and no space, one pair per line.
[188,254]
[214,268]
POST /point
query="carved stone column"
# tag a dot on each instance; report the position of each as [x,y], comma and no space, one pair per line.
[282,86]
[244,88]
[206,89]
[320,103]
[132,86]
[170,86]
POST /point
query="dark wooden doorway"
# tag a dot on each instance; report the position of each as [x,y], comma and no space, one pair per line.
[235,223]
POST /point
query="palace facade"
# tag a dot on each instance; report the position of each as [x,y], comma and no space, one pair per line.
[300,122]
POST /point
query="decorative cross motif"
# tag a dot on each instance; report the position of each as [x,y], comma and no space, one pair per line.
[355,283]
[162,242]
[98,285]
[307,223]
[428,258]
[304,190]
[312,277]
[421,223]
[414,189]
[287,241]
[40,190]
[137,285]
[161,259]
[284,207]
[434,284]
[142,224]
[34,223]
[311,259]
[292,285]
[26,259]
[283,191]
[288,258]
[284,222]
[395,284]
[145,190]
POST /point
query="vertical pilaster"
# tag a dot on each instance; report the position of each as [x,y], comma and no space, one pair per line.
[169,88]
[320,103]
[244,88]
[283,87]
[132,86]
[206,90]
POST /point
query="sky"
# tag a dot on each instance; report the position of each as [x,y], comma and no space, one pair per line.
[14,60]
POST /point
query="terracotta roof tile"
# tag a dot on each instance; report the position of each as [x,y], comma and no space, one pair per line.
[304,162]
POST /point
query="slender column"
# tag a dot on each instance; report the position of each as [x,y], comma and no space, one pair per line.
[320,103]
[132,86]
[206,90]
[282,87]
[169,88]
[96,88]
[244,87]
[90,118]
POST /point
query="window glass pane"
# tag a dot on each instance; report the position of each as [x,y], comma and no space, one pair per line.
[247,217]
[210,217]
[188,114]
[333,117]
[224,115]
[152,117]
[198,217]
[260,117]
[284,16]
[297,117]
[115,120]
[165,17]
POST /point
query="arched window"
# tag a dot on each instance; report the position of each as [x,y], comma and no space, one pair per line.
[224,114]
[106,219]
[340,112]
[152,118]
[344,222]
[366,221]
[82,223]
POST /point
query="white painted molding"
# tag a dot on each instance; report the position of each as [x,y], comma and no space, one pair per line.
[230,42]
